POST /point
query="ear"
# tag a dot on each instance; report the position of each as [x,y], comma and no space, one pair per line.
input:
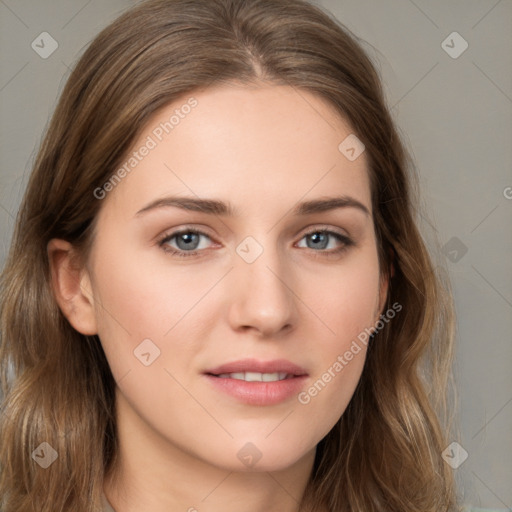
[71,286]
[384,285]
[383,294]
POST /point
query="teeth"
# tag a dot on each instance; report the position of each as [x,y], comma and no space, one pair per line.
[255,376]
[273,377]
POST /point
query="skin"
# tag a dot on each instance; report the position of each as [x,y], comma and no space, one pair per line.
[263,148]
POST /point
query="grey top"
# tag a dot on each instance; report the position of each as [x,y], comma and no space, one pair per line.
[106,505]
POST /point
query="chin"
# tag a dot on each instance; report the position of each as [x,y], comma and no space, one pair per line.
[260,456]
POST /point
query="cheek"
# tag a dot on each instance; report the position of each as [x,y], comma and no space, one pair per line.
[346,298]
[347,309]
[137,301]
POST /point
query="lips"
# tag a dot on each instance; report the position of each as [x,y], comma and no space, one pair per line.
[256,376]
[255,366]
[256,382]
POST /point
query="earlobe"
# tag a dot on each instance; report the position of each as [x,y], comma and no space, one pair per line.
[71,287]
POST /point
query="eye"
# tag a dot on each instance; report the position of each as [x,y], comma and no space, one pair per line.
[321,239]
[187,242]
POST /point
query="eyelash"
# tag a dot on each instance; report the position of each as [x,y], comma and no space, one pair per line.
[346,241]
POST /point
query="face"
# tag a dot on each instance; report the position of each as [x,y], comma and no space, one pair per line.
[226,297]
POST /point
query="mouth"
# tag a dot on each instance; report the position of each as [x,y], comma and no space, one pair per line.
[255,376]
[258,382]
[253,370]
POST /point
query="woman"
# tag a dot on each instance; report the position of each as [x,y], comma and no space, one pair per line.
[217,297]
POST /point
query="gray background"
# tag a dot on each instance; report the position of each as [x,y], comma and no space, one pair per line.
[455,117]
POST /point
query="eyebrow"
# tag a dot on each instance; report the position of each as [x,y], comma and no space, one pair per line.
[216,207]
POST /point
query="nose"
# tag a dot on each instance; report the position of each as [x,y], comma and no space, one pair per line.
[262,297]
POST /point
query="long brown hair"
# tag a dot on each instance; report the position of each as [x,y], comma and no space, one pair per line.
[385,452]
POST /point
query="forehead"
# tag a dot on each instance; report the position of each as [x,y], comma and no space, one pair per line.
[252,145]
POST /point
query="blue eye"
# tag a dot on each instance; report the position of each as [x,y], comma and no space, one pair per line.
[187,242]
[321,239]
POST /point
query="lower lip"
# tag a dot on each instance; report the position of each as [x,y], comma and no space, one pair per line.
[259,393]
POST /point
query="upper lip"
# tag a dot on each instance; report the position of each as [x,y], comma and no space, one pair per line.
[253,365]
